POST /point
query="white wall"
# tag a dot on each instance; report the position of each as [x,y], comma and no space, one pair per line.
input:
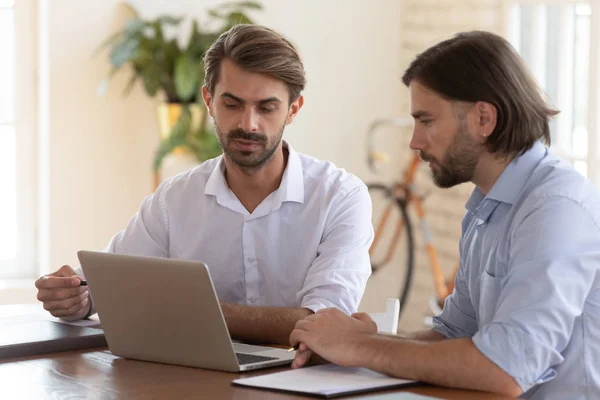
[98,149]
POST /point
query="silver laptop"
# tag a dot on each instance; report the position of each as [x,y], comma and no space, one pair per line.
[166,310]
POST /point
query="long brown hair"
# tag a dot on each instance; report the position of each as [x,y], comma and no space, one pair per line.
[481,66]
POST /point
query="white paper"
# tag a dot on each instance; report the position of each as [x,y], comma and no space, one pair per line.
[325,380]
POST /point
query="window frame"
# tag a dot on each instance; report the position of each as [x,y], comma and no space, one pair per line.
[592,158]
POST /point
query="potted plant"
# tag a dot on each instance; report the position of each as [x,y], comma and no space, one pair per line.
[175,72]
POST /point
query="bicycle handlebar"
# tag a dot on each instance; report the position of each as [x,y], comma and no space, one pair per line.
[372,155]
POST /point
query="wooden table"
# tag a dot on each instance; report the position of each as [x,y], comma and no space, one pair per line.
[97,374]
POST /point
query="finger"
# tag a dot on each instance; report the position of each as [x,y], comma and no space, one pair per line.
[367,320]
[60,293]
[64,271]
[71,310]
[49,282]
[364,317]
[301,359]
[303,324]
[65,304]
[298,336]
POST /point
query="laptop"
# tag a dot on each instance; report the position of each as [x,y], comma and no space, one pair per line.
[166,310]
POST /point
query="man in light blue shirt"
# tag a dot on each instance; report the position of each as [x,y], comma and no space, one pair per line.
[524,315]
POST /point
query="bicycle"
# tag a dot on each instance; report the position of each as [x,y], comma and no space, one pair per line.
[390,206]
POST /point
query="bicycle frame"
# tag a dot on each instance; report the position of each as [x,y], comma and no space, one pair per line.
[404,191]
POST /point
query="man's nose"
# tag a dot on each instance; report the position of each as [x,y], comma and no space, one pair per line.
[249,121]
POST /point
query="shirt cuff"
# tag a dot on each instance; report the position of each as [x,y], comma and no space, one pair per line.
[526,359]
[315,306]
[440,327]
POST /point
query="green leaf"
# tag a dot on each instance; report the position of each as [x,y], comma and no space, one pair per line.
[237,17]
[158,31]
[169,20]
[101,90]
[142,57]
[186,77]
[240,5]
[112,39]
[134,26]
[194,37]
[204,145]
[176,138]
[171,53]
[123,52]
[214,13]
[151,79]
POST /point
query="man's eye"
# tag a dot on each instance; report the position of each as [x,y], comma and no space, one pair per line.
[267,110]
[231,106]
[426,122]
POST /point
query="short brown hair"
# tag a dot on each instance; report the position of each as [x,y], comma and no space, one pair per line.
[259,49]
[481,66]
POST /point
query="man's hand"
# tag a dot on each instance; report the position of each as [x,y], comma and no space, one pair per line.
[332,335]
[61,294]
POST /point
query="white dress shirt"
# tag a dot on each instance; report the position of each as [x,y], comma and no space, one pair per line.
[306,245]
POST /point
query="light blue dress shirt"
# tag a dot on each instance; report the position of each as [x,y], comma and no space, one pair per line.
[528,288]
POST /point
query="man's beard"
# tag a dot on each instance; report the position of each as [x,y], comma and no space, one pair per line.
[249,159]
[459,161]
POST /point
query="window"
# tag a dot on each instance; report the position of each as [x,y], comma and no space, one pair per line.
[17,149]
[555,40]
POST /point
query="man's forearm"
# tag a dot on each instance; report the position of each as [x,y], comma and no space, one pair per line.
[426,335]
[453,363]
[262,324]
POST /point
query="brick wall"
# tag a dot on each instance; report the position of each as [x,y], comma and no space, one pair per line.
[424,23]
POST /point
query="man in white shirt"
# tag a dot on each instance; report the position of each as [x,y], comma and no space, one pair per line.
[283,234]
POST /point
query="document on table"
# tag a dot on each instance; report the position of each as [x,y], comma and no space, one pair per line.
[327,380]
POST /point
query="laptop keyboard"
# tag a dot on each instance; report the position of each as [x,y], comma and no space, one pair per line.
[251,358]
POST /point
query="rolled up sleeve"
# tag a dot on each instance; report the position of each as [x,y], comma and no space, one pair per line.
[338,275]
[553,260]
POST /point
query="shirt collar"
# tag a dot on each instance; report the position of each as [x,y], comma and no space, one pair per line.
[290,189]
[292,182]
[509,185]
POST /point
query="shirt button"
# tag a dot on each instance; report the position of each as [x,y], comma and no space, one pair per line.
[251,260]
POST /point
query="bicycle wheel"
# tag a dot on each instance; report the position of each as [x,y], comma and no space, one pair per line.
[392,251]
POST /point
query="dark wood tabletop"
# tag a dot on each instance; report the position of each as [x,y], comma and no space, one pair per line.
[97,374]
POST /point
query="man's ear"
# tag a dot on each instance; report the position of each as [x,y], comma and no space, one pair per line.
[207,100]
[486,116]
[294,108]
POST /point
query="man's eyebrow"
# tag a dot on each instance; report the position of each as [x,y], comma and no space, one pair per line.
[420,114]
[272,99]
[230,96]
